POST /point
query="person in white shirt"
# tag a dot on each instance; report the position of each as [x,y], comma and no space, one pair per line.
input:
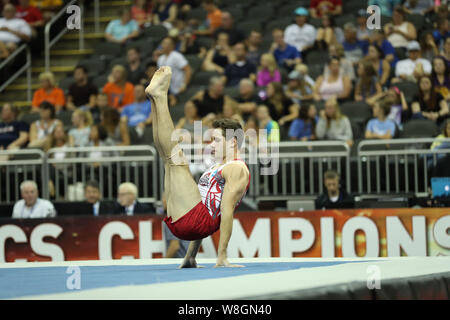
[300,34]
[127,198]
[31,206]
[414,67]
[12,31]
[181,71]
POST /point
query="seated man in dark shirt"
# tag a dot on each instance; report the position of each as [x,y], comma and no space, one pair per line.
[234,35]
[93,197]
[13,133]
[81,92]
[241,68]
[248,99]
[335,197]
[135,68]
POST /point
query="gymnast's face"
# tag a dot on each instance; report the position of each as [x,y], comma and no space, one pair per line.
[220,146]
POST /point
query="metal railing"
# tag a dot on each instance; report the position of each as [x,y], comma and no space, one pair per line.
[399,166]
[25,67]
[20,165]
[50,42]
[110,166]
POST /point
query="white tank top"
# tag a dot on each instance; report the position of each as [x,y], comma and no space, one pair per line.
[397,40]
[211,185]
[330,89]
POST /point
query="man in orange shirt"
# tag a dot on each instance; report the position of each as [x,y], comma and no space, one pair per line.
[48,92]
[120,92]
[214,18]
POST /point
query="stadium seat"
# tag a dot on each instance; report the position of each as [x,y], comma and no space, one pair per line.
[287,10]
[65,116]
[205,42]
[121,60]
[145,46]
[108,50]
[417,20]
[315,70]
[353,5]
[343,19]
[261,12]
[236,12]
[30,117]
[65,83]
[194,61]
[232,92]
[93,65]
[100,81]
[317,57]
[278,23]
[189,93]
[198,14]
[358,112]
[201,78]
[156,32]
[248,25]
[419,128]
[408,88]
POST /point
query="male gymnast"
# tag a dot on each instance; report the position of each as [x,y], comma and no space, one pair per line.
[196,211]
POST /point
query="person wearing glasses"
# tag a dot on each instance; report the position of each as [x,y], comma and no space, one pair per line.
[128,203]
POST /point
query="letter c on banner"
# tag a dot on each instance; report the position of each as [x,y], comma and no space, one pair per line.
[106,235]
[10,231]
[46,249]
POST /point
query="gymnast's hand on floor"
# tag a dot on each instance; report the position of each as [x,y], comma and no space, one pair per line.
[223,262]
[189,263]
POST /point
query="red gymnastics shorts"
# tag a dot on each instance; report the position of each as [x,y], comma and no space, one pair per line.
[194,225]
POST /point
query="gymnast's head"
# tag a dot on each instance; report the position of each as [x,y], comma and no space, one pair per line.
[226,138]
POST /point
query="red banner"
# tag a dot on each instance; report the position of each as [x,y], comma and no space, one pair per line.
[332,233]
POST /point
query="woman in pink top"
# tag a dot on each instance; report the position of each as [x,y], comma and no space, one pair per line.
[333,85]
[268,71]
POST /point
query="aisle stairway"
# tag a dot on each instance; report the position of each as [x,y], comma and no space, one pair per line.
[65,54]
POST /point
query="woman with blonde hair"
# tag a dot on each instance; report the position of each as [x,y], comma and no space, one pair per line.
[79,135]
[268,71]
[48,92]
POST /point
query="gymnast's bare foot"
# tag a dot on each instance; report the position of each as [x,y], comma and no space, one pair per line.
[159,86]
[189,263]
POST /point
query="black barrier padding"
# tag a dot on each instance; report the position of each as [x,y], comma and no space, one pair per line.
[429,287]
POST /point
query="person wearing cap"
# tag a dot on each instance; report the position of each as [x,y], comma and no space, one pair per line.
[399,32]
[300,85]
[287,56]
[362,33]
[414,66]
[300,34]
[321,7]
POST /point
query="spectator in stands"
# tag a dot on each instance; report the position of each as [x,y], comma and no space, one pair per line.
[422,7]
[32,15]
[213,20]
[381,127]
[181,71]
[123,29]
[254,50]
[319,8]
[442,32]
[48,7]
[287,56]
[397,100]
[212,99]
[150,70]
[367,83]
[375,57]
[165,12]
[127,198]
[354,49]
[176,248]
[378,38]
[41,130]
[101,102]
[247,99]
[281,108]
[190,116]
[362,32]
[386,6]
[98,137]
[300,85]
[333,125]
[120,92]
[345,66]
[79,134]
[234,35]
[439,144]
[328,33]
[265,122]
[303,128]
[300,34]
[428,103]
[137,114]
[13,133]
[440,75]
[333,85]
[399,32]
[446,51]
[58,140]
[12,31]
[116,128]
[220,56]
[31,206]
[268,71]
[82,92]
[141,12]
[48,92]
[187,41]
[335,197]
[429,49]
[241,68]
[93,196]
[135,69]
[414,67]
